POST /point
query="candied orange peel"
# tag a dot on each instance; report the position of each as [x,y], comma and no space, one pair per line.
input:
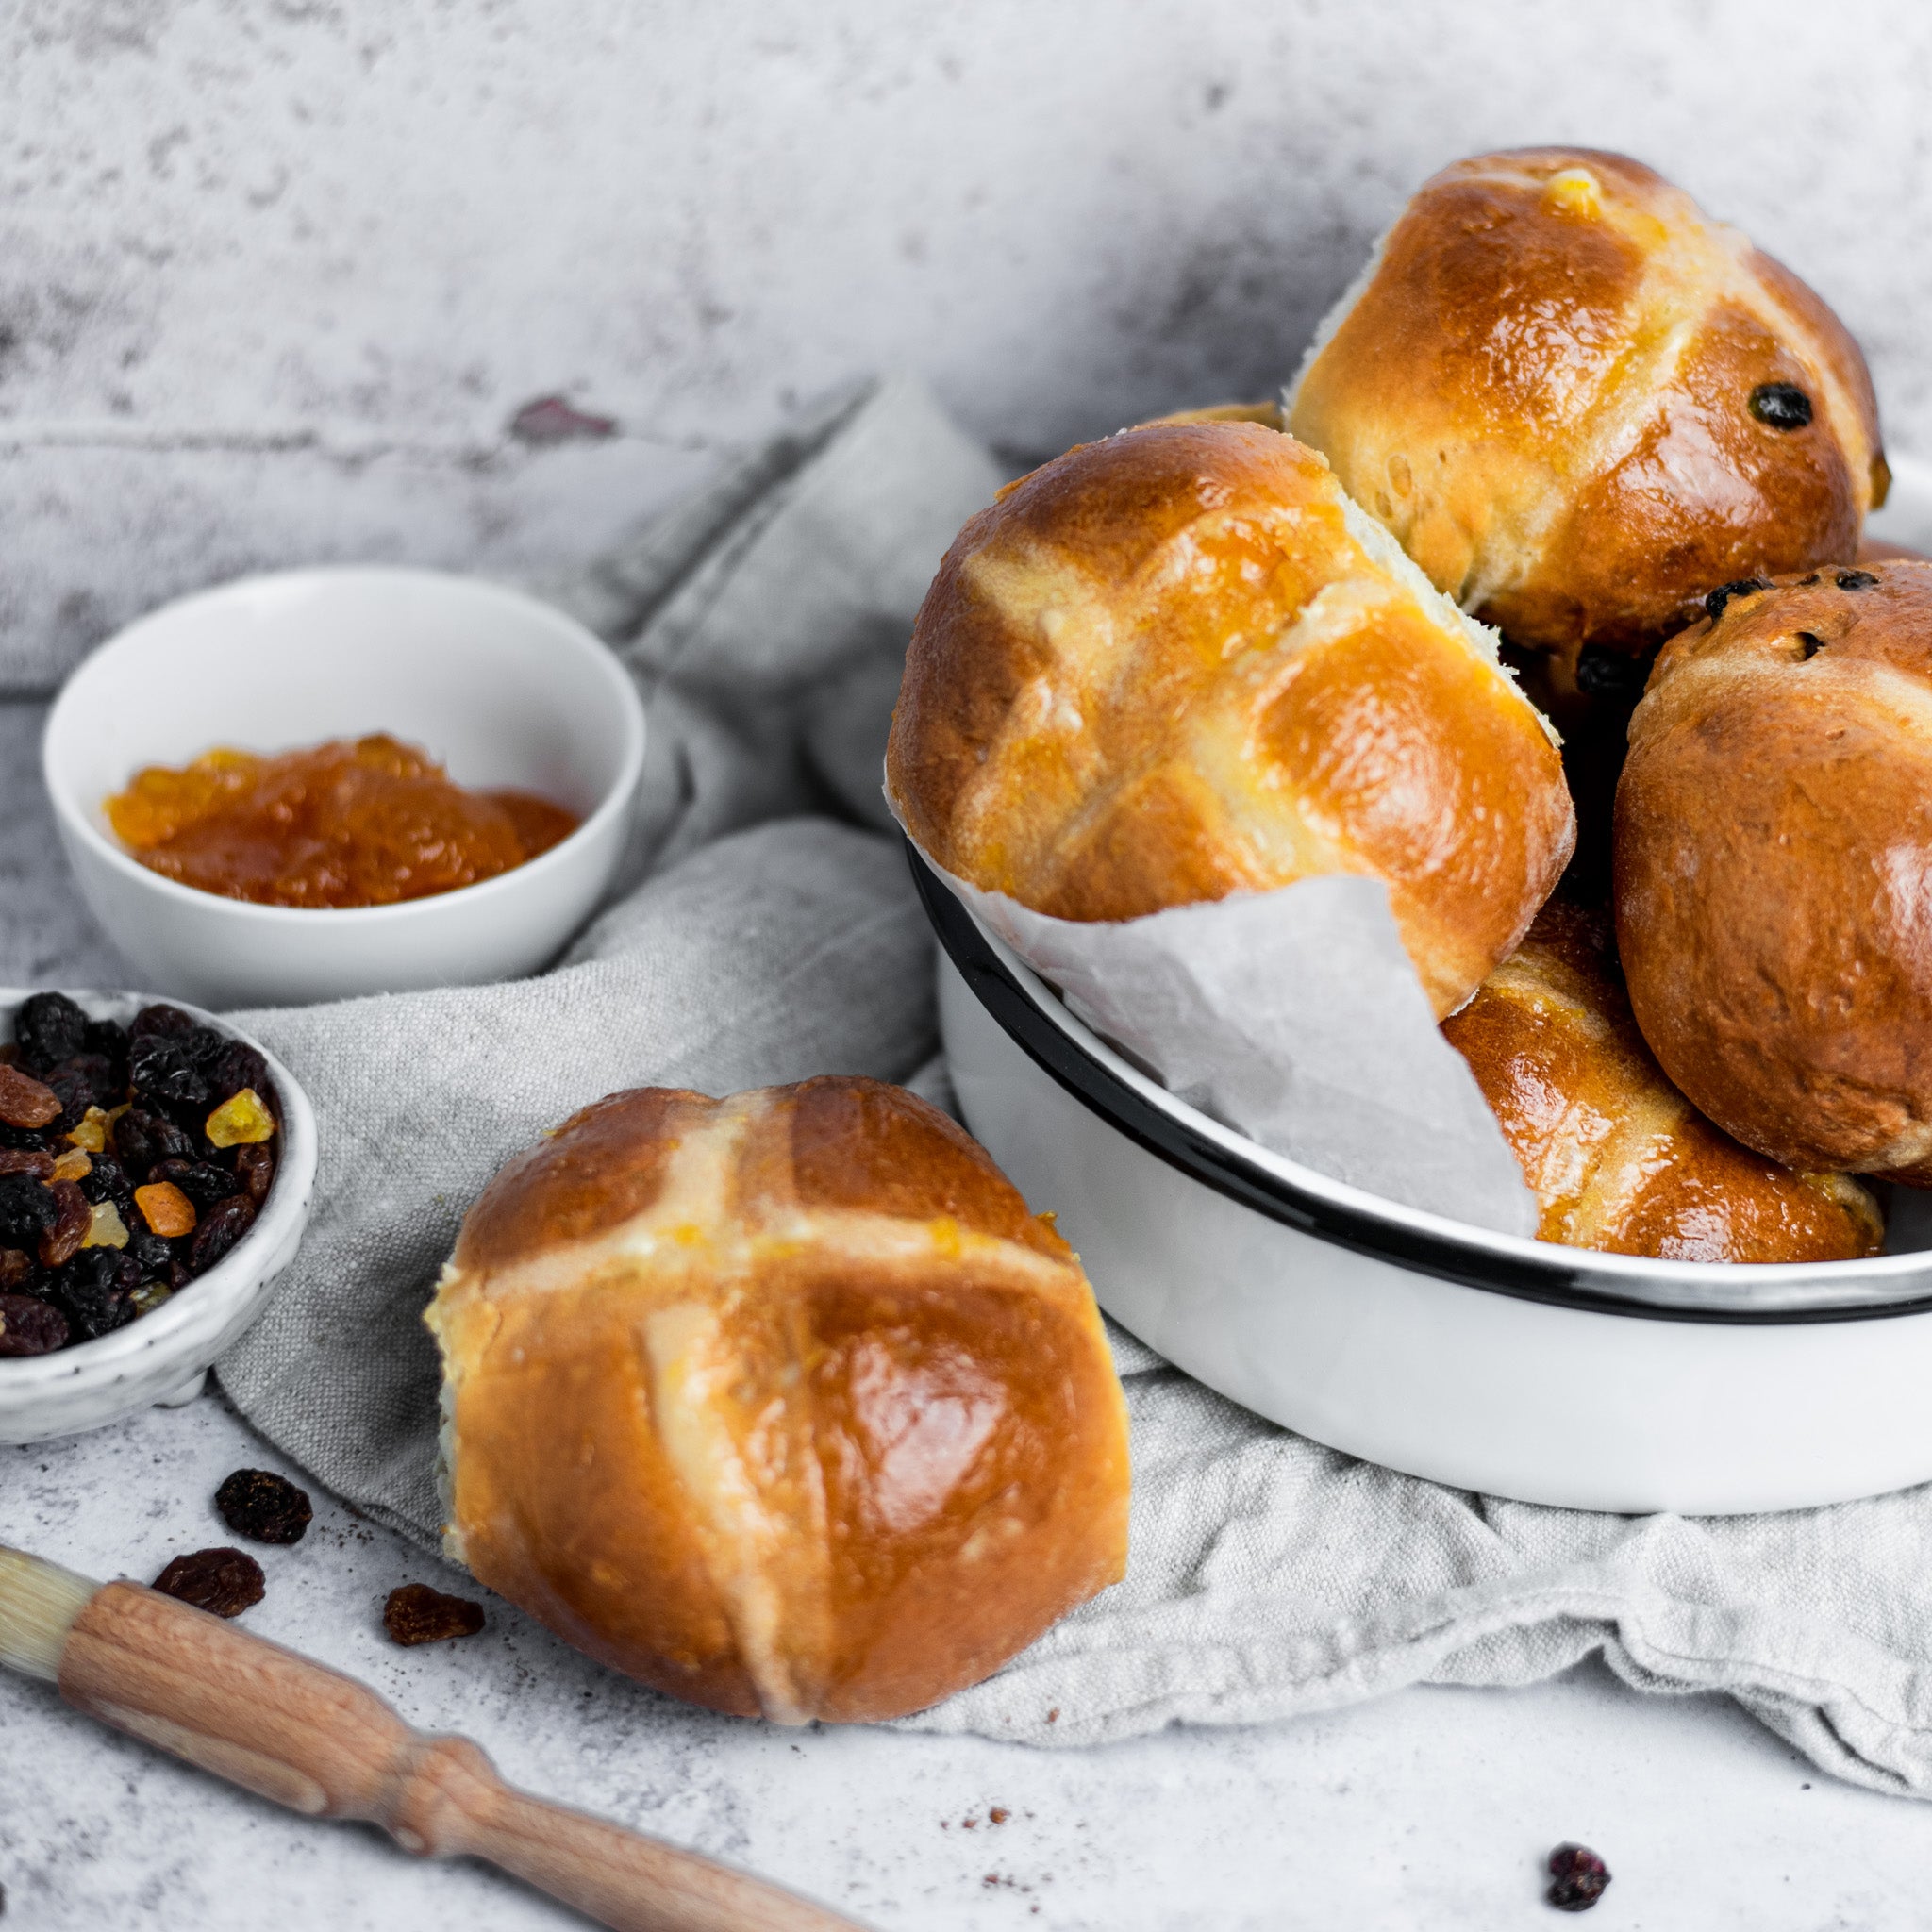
[242,1120]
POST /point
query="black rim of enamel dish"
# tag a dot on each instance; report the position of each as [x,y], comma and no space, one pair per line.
[1550,1276]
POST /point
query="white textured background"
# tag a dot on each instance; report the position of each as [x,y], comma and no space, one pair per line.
[276,274]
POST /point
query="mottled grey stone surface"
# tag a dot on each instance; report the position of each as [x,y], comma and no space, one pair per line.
[275,280]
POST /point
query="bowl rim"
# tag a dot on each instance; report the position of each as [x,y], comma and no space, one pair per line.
[1280,1189]
[175,1321]
[616,801]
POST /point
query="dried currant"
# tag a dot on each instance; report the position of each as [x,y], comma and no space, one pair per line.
[270,1508]
[149,1249]
[255,1168]
[221,1226]
[108,1039]
[163,1019]
[27,1209]
[73,1214]
[25,1102]
[1781,405]
[417,1614]
[92,1292]
[107,1181]
[142,1138]
[1737,586]
[236,1066]
[94,1072]
[1577,1879]
[75,1091]
[202,1181]
[162,1074]
[30,1326]
[224,1582]
[1856,581]
[50,1028]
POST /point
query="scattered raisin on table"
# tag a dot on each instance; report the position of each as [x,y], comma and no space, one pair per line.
[417,1614]
[223,1581]
[270,1508]
[30,1326]
[1577,1879]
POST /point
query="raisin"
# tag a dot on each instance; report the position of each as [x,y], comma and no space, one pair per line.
[1606,674]
[1737,586]
[255,1168]
[224,1582]
[270,1508]
[202,1181]
[417,1614]
[25,1102]
[1809,644]
[221,1226]
[1781,406]
[27,1209]
[107,1181]
[17,1267]
[21,1161]
[90,1072]
[161,1074]
[143,1139]
[73,1214]
[92,1292]
[236,1066]
[22,1138]
[153,1253]
[163,1019]
[50,1028]
[30,1327]
[1856,581]
[1577,1879]
[108,1039]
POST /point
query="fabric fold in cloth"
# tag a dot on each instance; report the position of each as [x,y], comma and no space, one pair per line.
[774,936]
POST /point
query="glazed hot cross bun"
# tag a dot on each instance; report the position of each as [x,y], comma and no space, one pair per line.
[1774,866]
[1580,403]
[784,1403]
[1617,1158]
[1180,663]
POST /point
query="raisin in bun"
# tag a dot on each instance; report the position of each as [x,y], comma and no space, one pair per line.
[1580,403]
[1619,1160]
[1773,867]
[1179,664]
[783,1403]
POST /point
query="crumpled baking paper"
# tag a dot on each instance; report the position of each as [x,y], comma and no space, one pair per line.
[1296,1017]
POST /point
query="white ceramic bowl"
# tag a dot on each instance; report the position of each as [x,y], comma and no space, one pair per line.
[1482,1360]
[164,1356]
[504,689]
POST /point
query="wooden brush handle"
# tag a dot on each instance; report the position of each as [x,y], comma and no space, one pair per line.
[311,1739]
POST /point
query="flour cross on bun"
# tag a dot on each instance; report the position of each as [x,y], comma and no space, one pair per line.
[1579,402]
[784,1403]
[1180,663]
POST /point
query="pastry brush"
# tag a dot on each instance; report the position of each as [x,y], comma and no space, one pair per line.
[309,1738]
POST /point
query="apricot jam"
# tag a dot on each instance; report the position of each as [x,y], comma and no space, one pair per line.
[361,821]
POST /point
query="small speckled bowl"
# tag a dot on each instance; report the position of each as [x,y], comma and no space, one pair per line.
[163,1357]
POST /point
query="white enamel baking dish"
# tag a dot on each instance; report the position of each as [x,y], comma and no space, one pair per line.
[1485,1361]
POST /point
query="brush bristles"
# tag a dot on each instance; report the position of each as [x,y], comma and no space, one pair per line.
[39,1602]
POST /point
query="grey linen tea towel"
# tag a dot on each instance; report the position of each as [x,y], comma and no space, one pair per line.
[771,932]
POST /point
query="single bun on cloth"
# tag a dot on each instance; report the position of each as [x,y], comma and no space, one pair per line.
[1580,403]
[1619,1160]
[783,1403]
[1773,867]
[1179,664]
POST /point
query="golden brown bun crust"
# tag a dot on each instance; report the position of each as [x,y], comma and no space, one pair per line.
[1162,669]
[1544,390]
[1619,1158]
[1774,839]
[783,1403]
